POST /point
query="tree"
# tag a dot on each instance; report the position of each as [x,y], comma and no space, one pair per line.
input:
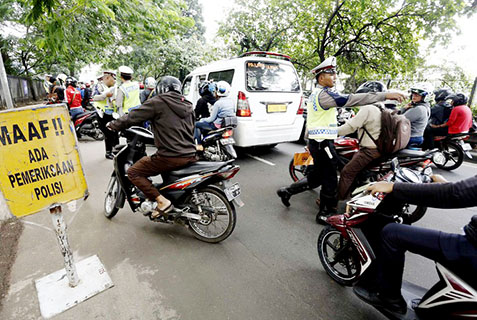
[70,35]
[369,38]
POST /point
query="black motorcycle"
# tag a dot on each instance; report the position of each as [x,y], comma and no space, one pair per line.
[87,124]
[219,144]
[203,195]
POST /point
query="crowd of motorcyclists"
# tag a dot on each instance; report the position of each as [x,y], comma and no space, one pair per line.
[178,137]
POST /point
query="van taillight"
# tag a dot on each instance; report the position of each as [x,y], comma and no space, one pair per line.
[243,108]
[301,108]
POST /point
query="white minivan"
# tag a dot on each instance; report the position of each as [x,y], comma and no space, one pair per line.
[267,92]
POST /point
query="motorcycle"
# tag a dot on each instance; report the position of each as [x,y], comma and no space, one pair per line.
[452,149]
[86,124]
[203,195]
[344,245]
[218,145]
[302,163]
[346,253]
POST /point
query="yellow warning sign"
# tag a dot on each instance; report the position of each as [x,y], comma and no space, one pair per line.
[39,159]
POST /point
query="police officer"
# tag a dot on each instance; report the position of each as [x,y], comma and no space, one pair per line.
[127,96]
[322,130]
[102,100]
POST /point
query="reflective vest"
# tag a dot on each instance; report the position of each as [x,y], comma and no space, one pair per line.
[130,96]
[105,105]
[321,123]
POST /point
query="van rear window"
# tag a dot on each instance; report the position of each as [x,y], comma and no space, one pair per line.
[270,76]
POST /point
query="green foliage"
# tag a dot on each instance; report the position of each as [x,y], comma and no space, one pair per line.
[73,34]
[369,38]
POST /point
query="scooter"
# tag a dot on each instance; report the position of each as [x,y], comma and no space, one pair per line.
[203,194]
[346,254]
[86,124]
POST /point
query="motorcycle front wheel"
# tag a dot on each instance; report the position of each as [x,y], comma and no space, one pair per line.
[453,156]
[113,194]
[412,214]
[338,256]
[219,219]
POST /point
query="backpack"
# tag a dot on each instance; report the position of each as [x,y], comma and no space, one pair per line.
[395,132]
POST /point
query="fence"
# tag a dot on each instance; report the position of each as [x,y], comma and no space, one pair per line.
[23,90]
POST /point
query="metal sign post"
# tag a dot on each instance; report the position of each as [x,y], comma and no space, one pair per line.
[59,226]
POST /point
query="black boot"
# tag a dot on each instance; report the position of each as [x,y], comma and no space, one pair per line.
[327,208]
[285,193]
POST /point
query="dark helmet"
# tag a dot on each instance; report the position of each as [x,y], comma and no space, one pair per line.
[207,87]
[169,83]
[372,86]
[458,99]
[71,81]
[441,95]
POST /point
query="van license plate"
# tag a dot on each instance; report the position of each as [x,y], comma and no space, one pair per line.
[276,108]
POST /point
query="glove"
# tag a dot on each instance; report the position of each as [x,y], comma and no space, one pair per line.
[471,231]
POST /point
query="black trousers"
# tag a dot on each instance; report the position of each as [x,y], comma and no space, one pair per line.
[325,165]
[429,135]
[111,138]
[453,251]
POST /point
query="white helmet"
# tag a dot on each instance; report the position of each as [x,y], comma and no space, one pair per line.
[62,77]
[223,88]
[150,83]
[125,70]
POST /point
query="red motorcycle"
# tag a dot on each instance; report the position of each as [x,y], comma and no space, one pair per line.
[87,124]
[346,252]
[302,163]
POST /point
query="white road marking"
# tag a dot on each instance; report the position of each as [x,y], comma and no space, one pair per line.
[472,165]
[260,159]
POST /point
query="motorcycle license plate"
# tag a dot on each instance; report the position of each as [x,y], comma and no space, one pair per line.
[227,141]
[302,159]
[276,108]
[466,147]
[232,191]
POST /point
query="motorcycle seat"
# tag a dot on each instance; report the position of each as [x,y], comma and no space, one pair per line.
[198,167]
[79,115]
[412,153]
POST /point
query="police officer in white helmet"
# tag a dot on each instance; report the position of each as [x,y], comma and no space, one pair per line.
[127,96]
[322,129]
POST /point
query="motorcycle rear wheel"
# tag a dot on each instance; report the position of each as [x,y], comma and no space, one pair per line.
[297,172]
[453,154]
[111,200]
[338,256]
[223,217]
[98,135]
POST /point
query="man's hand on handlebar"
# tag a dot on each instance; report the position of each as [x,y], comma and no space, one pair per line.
[382,186]
[108,125]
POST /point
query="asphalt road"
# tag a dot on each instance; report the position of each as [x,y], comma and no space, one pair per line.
[267,269]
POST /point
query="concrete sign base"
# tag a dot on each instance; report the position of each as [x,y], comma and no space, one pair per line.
[55,294]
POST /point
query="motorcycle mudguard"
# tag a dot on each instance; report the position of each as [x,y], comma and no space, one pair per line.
[230,151]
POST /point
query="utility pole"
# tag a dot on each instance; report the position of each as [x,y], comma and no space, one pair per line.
[4,83]
[472,93]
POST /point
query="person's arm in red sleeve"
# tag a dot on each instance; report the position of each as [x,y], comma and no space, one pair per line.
[452,118]
[69,96]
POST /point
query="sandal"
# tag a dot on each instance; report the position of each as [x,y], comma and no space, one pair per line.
[156,213]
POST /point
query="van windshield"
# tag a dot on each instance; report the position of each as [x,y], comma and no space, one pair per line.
[271,76]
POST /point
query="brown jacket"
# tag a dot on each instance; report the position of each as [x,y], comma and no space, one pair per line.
[172,120]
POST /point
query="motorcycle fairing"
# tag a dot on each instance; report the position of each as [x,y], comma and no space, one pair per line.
[451,297]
